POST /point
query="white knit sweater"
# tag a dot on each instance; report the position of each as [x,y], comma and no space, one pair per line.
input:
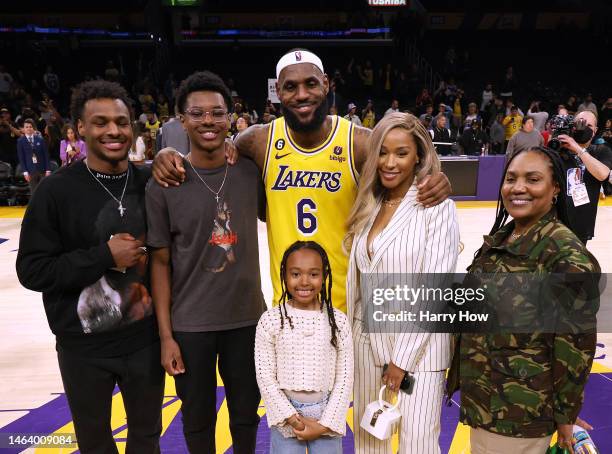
[303,359]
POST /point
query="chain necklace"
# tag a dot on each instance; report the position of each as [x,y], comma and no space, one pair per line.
[120,208]
[515,236]
[392,203]
[216,193]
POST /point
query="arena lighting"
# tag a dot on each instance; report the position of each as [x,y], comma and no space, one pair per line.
[292,33]
[73,31]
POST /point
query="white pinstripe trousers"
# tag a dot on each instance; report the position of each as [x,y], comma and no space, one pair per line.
[420,423]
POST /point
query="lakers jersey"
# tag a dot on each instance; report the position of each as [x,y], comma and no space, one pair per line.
[310,193]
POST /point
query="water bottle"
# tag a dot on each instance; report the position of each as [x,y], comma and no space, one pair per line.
[582,442]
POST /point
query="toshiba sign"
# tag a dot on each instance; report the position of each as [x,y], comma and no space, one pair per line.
[387,2]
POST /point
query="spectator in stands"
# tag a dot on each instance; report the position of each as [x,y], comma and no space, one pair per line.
[588,104]
[339,83]
[472,115]
[163,110]
[72,147]
[152,124]
[387,78]
[512,123]
[367,78]
[589,165]
[334,99]
[237,113]
[352,116]
[9,133]
[458,109]
[428,112]
[606,112]
[394,107]
[33,155]
[486,97]
[267,117]
[607,132]
[173,135]
[539,117]
[146,110]
[526,138]
[51,81]
[445,110]
[495,108]
[546,133]
[510,104]
[423,100]
[145,145]
[368,116]
[442,136]
[427,120]
[53,135]
[497,134]
[241,125]
[474,141]
[571,105]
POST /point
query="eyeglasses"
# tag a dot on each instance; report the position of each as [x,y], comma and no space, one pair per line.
[198,115]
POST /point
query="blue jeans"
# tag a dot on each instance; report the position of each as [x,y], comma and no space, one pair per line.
[323,445]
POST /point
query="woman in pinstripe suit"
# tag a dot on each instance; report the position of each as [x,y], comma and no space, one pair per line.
[390,232]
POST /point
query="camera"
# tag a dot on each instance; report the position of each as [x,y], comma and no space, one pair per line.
[568,125]
[560,124]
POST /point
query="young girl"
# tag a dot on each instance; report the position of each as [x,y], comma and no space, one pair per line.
[304,357]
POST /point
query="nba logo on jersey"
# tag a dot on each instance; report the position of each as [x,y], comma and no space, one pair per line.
[298,56]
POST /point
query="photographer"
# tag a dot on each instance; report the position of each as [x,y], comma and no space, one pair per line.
[586,166]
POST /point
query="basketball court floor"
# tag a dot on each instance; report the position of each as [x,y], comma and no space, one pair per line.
[31,393]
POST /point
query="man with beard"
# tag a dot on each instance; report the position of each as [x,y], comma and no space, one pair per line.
[310,162]
[81,246]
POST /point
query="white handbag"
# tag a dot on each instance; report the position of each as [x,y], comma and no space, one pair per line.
[380,417]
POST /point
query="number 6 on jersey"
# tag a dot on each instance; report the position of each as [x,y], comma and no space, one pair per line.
[306,220]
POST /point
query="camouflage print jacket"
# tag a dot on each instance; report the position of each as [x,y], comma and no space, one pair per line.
[522,385]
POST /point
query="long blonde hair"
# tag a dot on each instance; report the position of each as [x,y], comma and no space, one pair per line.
[371,189]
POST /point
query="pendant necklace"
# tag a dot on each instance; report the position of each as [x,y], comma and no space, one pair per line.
[120,208]
[216,193]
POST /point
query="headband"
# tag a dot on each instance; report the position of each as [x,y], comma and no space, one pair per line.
[298,56]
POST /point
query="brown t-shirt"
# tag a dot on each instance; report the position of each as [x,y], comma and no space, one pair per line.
[213,245]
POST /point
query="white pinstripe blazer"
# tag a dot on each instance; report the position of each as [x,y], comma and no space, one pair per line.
[416,240]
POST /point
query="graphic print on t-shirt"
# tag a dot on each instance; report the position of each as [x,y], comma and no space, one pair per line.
[119,297]
[222,239]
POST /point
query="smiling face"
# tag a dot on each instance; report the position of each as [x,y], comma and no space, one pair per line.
[105,125]
[304,278]
[397,160]
[528,189]
[302,89]
[206,120]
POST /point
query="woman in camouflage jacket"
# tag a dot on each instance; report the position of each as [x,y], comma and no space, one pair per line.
[518,389]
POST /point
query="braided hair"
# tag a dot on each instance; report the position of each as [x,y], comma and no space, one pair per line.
[559,177]
[325,298]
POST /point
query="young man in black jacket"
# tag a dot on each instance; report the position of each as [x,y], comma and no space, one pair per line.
[82,246]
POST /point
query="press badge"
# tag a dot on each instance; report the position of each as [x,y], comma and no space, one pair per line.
[34,159]
[580,196]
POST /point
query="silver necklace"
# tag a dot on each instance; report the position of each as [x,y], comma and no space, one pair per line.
[515,236]
[216,193]
[120,208]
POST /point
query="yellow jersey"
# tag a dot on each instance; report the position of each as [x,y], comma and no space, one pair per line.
[310,193]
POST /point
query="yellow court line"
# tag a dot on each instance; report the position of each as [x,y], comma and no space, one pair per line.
[12,212]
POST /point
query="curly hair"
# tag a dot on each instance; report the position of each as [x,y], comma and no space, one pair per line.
[202,81]
[96,89]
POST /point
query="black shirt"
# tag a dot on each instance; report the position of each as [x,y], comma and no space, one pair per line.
[92,309]
[583,216]
[473,140]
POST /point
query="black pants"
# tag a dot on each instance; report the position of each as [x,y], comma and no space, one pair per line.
[89,384]
[35,179]
[197,387]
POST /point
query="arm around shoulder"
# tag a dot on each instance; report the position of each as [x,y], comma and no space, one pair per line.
[252,143]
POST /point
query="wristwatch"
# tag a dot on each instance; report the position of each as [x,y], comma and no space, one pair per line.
[581,152]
